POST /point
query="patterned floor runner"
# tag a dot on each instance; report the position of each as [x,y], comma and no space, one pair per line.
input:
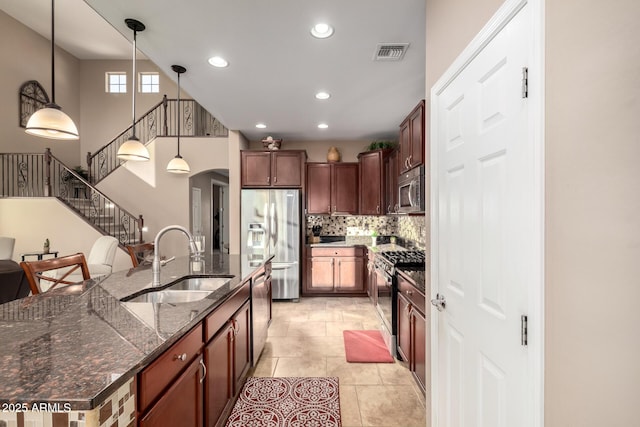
[287,401]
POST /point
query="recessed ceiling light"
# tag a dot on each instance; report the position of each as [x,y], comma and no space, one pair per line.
[217,61]
[322,95]
[322,31]
[261,126]
[323,126]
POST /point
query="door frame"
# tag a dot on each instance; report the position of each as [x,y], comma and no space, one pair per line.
[221,205]
[534,401]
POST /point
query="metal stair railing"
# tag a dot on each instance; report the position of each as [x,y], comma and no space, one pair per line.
[44,175]
[160,120]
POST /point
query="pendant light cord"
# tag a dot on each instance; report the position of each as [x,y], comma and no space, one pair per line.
[179,115]
[53,47]
[133,86]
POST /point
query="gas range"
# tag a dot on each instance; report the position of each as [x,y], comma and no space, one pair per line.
[389,261]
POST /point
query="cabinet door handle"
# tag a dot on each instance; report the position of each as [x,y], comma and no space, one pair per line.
[268,180]
[409,293]
[275,179]
[410,159]
[181,357]
[378,209]
[389,209]
[329,208]
[335,208]
[204,371]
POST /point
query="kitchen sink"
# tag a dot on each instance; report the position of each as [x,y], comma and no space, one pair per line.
[171,297]
[188,289]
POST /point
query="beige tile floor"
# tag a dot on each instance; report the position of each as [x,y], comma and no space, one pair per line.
[305,339]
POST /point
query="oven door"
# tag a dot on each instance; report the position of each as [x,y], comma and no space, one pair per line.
[385,299]
[386,307]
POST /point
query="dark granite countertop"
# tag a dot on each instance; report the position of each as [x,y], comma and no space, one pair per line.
[78,344]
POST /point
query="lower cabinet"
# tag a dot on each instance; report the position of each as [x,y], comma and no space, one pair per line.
[336,271]
[404,328]
[195,381]
[181,404]
[218,390]
[412,327]
[418,348]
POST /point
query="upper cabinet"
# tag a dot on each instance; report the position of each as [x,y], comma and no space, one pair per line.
[281,168]
[412,139]
[373,177]
[332,188]
[391,181]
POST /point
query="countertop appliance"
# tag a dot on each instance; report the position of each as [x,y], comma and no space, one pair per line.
[270,225]
[386,263]
[411,191]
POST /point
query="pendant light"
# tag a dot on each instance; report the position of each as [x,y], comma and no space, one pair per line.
[50,121]
[178,164]
[133,149]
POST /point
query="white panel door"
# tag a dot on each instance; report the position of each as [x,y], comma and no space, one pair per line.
[483,186]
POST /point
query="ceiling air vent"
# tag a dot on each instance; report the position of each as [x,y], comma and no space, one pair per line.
[390,51]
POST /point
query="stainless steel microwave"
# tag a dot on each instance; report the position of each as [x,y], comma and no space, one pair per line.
[411,191]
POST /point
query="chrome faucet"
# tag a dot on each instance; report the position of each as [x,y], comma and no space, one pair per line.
[156,252]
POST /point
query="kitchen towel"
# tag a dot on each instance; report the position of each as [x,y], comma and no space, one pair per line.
[366,347]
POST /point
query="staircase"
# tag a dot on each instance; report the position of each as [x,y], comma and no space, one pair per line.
[160,120]
[43,175]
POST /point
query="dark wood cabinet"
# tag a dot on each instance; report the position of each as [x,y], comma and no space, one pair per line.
[196,380]
[412,327]
[181,404]
[391,181]
[163,371]
[404,327]
[269,169]
[335,271]
[373,176]
[218,391]
[418,348]
[412,139]
[331,188]
[241,346]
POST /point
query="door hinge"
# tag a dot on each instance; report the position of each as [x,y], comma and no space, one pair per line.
[525,82]
[523,330]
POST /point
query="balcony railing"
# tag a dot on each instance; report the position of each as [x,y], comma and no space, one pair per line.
[161,120]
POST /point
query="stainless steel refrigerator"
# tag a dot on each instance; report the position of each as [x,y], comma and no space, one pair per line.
[271,221]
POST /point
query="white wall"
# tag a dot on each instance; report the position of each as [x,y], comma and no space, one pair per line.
[161,197]
[31,221]
[27,56]
[237,142]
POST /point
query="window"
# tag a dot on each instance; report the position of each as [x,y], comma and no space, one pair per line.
[149,83]
[116,82]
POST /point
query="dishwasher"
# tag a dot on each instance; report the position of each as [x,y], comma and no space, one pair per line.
[260,311]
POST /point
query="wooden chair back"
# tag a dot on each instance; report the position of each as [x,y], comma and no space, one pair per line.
[38,270]
[139,252]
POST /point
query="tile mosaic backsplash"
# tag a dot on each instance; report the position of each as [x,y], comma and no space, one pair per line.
[408,227]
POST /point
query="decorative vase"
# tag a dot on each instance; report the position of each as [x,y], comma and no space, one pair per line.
[333,155]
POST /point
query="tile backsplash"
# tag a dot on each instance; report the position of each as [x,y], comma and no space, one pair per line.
[408,227]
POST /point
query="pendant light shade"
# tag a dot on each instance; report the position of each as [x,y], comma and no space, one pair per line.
[50,121]
[132,149]
[178,164]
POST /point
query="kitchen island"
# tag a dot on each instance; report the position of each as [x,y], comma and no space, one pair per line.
[74,354]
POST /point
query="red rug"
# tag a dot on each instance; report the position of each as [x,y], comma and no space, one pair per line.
[287,401]
[366,347]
